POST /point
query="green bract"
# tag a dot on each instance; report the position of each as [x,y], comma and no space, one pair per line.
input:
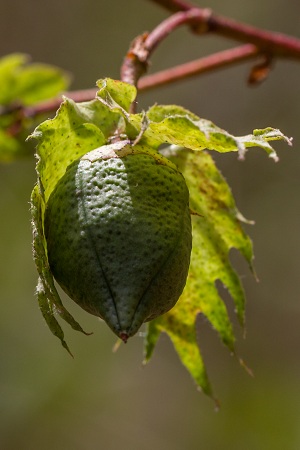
[111,220]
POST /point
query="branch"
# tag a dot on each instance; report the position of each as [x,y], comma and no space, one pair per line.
[209,63]
[268,42]
[277,44]
[136,61]
[201,21]
[47,106]
[202,65]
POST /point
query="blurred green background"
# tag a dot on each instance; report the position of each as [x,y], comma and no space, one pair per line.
[106,400]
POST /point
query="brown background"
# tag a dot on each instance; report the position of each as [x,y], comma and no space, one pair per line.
[105,400]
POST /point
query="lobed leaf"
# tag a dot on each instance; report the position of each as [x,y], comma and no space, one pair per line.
[172,124]
[216,229]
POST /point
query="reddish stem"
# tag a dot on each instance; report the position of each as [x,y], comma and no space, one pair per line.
[269,42]
[199,66]
[136,61]
[53,104]
[276,43]
[192,68]
[201,21]
[193,16]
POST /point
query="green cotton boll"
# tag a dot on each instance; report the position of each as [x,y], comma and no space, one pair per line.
[118,233]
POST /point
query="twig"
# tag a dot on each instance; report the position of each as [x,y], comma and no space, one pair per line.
[193,16]
[168,76]
[136,61]
[206,64]
[53,104]
[201,21]
[269,42]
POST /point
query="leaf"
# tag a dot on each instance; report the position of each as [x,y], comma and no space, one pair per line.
[174,125]
[76,129]
[23,84]
[118,97]
[48,298]
[216,229]
[116,94]
[9,66]
[261,138]
[29,83]
[37,82]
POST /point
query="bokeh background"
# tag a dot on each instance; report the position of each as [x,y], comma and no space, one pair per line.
[106,400]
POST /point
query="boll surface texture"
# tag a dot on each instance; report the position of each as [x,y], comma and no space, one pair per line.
[118,233]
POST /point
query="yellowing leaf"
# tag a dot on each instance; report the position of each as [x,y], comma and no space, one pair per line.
[216,229]
[171,124]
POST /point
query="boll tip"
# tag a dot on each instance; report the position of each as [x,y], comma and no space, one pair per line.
[124,336]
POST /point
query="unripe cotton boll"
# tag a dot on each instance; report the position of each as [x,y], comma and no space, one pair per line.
[118,233]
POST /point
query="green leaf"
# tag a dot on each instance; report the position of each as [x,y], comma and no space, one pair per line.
[9,67]
[76,129]
[158,113]
[180,326]
[38,82]
[174,125]
[216,229]
[48,298]
[118,97]
[23,84]
[29,83]
[116,94]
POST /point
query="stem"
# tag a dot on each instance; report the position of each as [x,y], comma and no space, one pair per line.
[136,61]
[83,95]
[199,66]
[202,65]
[193,16]
[269,42]
[201,21]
